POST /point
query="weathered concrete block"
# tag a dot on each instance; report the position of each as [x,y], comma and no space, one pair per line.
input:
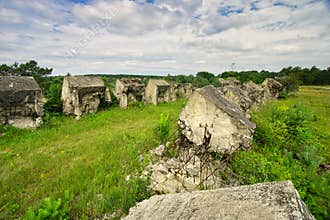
[129,91]
[181,90]
[210,119]
[157,91]
[82,94]
[21,102]
[230,81]
[272,88]
[276,200]
[238,96]
[255,92]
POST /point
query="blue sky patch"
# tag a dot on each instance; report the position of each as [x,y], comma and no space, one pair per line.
[228,10]
[164,36]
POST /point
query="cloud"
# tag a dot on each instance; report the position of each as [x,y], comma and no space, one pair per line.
[9,16]
[165,36]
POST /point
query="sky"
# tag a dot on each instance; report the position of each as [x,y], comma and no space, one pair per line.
[160,37]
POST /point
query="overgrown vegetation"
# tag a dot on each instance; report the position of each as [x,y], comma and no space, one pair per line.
[292,139]
[51,209]
[162,129]
[97,159]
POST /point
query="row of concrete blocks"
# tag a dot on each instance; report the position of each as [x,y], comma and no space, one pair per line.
[21,99]
[82,95]
[215,121]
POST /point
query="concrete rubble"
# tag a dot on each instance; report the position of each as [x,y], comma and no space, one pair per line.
[272,88]
[250,95]
[255,92]
[191,169]
[238,96]
[215,121]
[82,94]
[210,125]
[21,102]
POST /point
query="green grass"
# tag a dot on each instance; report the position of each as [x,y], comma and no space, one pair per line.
[90,158]
[292,139]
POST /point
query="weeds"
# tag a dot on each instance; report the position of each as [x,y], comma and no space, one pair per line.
[162,129]
[52,209]
[287,147]
[91,158]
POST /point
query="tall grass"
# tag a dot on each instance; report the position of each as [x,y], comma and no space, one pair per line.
[292,139]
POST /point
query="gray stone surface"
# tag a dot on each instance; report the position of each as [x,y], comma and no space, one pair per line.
[276,200]
[230,81]
[238,96]
[255,92]
[190,170]
[160,150]
[181,90]
[129,91]
[21,102]
[157,91]
[272,88]
[209,123]
[82,94]
[210,119]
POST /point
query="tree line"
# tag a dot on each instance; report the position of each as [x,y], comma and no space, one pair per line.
[303,76]
[290,77]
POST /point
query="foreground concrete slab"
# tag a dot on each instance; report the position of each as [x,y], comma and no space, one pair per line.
[276,200]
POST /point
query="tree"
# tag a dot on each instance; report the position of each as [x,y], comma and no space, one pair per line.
[205,75]
[30,68]
[5,70]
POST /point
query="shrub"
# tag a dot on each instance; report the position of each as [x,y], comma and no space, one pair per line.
[291,83]
[52,209]
[54,102]
[162,129]
[286,148]
[283,95]
[283,126]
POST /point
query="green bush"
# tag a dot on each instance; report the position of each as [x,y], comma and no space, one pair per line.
[290,82]
[52,209]
[286,148]
[283,126]
[162,129]
[283,95]
[53,94]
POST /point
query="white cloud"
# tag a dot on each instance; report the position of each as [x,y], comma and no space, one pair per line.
[9,16]
[167,36]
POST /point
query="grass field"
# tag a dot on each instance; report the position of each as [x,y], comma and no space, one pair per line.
[291,141]
[316,99]
[92,157]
